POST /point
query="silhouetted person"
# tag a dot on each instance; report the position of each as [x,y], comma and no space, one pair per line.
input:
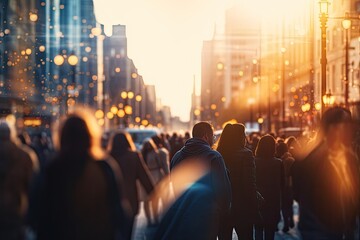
[240,163]
[81,193]
[270,183]
[133,169]
[15,178]
[199,148]
[327,180]
[288,199]
[158,169]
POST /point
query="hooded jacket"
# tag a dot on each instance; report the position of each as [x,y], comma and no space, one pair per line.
[218,181]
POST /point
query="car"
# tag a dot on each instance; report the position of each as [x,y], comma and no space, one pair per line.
[139,135]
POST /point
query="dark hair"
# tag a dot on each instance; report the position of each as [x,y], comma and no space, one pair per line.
[266,147]
[232,138]
[158,141]
[121,143]
[4,131]
[148,146]
[202,129]
[75,136]
[281,149]
[333,116]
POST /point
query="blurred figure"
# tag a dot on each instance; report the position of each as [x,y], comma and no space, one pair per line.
[294,147]
[241,165]
[187,136]
[158,169]
[25,143]
[81,194]
[270,183]
[16,171]
[288,199]
[133,168]
[165,141]
[199,149]
[327,180]
[176,144]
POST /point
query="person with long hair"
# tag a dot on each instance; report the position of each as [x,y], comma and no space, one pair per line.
[80,196]
[240,163]
[133,168]
[270,183]
[158,170]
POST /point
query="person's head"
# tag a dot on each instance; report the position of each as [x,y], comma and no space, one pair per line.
[121,143]
[80,134]
[232,138]
[205,131]
[148,147]
[337,125]
[266,147]
[158,141]
[281,149]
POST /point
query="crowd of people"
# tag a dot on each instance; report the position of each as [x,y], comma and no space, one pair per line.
[75,188]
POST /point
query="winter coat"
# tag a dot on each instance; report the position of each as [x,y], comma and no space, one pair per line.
[219,181]
[241,166]
[270,183]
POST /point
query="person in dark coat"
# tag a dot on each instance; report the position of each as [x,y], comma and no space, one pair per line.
[81,194]
[326,181]
[240,163]
[16,172]
[288,199]
[270,183]
[133,169]
[200,147]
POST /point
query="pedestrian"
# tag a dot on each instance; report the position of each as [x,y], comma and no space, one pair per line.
[288,199]
[326,181]
[16,172]
[240,163]
[133,168]
[81,193]
[198,149]
[270,183]
[158,169]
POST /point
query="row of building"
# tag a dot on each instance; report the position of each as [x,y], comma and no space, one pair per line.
[267,73]
[54,55]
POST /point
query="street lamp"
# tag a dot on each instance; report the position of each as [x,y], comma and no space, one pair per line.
[324,11]
[328,99]
[346,24]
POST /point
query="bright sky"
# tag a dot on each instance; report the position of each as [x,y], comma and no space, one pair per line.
[165,40]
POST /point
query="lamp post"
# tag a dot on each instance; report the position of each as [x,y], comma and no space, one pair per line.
[346,24]
[324,11]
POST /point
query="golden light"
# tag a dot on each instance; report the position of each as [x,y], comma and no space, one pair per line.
[28,51]
[117,69]
[71,102]
[130,95]
[276,87]
[32,122]
[23,52]
[220,66]
[59,60]
[324,6]
[123,95]
[128,109]
[213,106]
[251,101]
[33,17]
[144,122]
[292,104]
[217,114]
[138,98]
[121,113]
[293,89]
[303,108]
[88,49]
[96,31]
[99,114]
[101,122]
[110,115]
[114,109]
[283,50]
[134,75]
[137,119]
[305,98]
[255,79]
[328,99]
[260,120]
[318,106]
[241,73]
[346,22]
[196,112]
[223,99]
[254,61]
[287,62]
[42,48]
[120,105]
[10,119]
[73,60]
